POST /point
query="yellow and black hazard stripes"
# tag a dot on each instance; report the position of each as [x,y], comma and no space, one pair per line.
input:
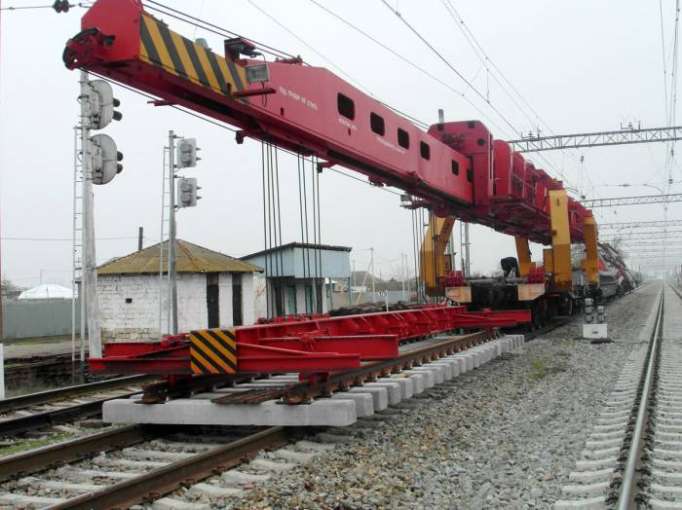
[213,351]
[181,57]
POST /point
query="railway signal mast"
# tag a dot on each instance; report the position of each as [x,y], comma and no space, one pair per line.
[182,154]
[97,162]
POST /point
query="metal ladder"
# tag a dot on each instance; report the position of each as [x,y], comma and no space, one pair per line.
[77,245]
[164,247]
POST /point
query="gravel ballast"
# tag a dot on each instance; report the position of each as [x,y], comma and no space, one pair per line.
[504,436]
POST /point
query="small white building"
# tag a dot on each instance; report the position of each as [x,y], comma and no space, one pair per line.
[300,276]
[214,290]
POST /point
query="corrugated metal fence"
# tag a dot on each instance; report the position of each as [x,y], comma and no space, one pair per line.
[37,318]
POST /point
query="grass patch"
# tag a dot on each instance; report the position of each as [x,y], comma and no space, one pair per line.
[538,369]
[30,444]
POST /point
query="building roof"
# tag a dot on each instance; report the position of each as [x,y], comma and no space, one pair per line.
[290,246]
[47,291]
[190,258]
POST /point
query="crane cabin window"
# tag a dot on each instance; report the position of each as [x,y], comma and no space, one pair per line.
[376,122]
[403,139]
[455,167]
[346,106]
[425,150]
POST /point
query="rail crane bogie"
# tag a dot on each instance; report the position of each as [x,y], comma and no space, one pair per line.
[455,169]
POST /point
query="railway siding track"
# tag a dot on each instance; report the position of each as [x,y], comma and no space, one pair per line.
[633,457]
[25,413]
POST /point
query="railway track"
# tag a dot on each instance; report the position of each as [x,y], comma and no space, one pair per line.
[124,466]
[33,411]
[130,465]
[633,457]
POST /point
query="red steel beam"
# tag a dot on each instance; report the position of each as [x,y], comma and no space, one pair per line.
[315,345]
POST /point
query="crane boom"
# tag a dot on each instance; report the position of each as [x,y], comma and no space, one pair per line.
[456,168]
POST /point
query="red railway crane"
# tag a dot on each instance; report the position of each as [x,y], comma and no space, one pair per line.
[454,168]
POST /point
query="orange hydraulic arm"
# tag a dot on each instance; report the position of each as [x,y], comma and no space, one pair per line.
[435,264]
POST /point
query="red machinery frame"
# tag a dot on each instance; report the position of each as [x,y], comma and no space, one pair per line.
[315,345]
[455,168]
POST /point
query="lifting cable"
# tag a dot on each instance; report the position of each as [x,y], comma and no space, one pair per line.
[312,269]
[272,222]
[300,161]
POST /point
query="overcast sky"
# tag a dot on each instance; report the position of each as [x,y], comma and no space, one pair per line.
[583,66]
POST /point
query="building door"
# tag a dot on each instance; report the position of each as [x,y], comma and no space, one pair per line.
[279,300]
[318,297]
[213,300]
[237,318]
[291,300]
[309,298]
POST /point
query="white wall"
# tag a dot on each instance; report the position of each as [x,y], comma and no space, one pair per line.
[139,320]
[192,309]
[255,304]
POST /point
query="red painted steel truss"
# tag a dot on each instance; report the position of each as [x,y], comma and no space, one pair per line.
[309,346]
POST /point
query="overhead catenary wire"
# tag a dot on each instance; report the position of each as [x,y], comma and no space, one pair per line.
[419,68]
[442,58]
[401,57]
[505,84]
[34,7]
[663,58]
[467,82]
[338,69]
[63,239]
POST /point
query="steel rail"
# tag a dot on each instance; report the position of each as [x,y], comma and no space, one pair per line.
[412,354]
[43,397]
[34,421]
[628,488]
[41,459]
[164,480]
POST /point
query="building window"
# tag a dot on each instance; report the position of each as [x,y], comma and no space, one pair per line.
[129,300]
[237,317]
[455,167]
[470,175]
[346,106]
[425,150]
[403,139]
[213,300]
[376,122]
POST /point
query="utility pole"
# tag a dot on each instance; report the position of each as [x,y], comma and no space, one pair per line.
[371,263]
[172,276]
